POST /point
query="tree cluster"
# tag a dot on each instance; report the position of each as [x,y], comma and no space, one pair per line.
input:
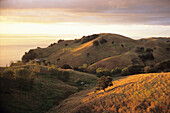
[85,39]
[103,82]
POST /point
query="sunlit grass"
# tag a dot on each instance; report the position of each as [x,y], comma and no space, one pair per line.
[137,93]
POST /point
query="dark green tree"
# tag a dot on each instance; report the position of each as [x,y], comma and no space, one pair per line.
[103,82]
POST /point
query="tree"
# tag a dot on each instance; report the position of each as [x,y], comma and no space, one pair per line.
[96,43]
[103,72]
[147,69]
[66,66]
[103,82]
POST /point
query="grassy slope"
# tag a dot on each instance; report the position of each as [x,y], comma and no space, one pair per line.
[75,53]
[123,60]
[47,91]
[137,93]
[106,55]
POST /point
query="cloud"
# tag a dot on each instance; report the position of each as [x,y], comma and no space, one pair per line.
[154,12]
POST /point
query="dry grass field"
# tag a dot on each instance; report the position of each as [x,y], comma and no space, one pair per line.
[142,93]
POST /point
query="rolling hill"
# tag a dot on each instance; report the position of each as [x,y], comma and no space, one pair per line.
[137,93]
[112,51]
[45,92]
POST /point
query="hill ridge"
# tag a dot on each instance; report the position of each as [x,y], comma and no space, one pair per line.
[82,51]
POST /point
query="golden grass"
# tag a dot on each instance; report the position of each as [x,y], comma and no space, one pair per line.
[142,93]
[137,93]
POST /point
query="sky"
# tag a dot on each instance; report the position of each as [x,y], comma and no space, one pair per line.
[133,18]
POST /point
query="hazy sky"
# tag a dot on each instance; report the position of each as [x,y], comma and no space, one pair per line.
[134,18]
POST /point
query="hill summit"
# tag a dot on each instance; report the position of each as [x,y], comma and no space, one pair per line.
[103,50]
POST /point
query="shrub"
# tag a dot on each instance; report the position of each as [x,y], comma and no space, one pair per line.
[135,61]
[102,41]
[146,56]
[139,49]
[59,41]
[81,68]
[66,66]
[149,69]
[103,82]
[103,72]
[116,71]
[58,59]
[132,70]
[149,50]
[51,45]
[8,73]
[31,55]
[96,43]
[85,39]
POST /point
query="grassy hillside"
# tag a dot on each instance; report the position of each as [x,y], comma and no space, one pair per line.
[137,93]
[45,92]
[113,51]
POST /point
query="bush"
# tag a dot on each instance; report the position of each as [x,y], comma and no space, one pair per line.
[96,43]
[149,69]
[31,55]
[85,39]
[59,41]
[116,71]
[149,50]
[135,61]
[102,41]
[139,49]
[146,56]
[103,82]
[51,45]
[103,72]
[8,73]
[81,68]
[132,70]
[66,66]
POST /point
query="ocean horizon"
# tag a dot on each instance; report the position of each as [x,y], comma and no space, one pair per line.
[13,47]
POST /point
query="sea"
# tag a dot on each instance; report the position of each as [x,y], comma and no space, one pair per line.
[13,47]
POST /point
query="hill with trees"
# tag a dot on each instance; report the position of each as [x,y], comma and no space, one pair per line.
[104,50]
